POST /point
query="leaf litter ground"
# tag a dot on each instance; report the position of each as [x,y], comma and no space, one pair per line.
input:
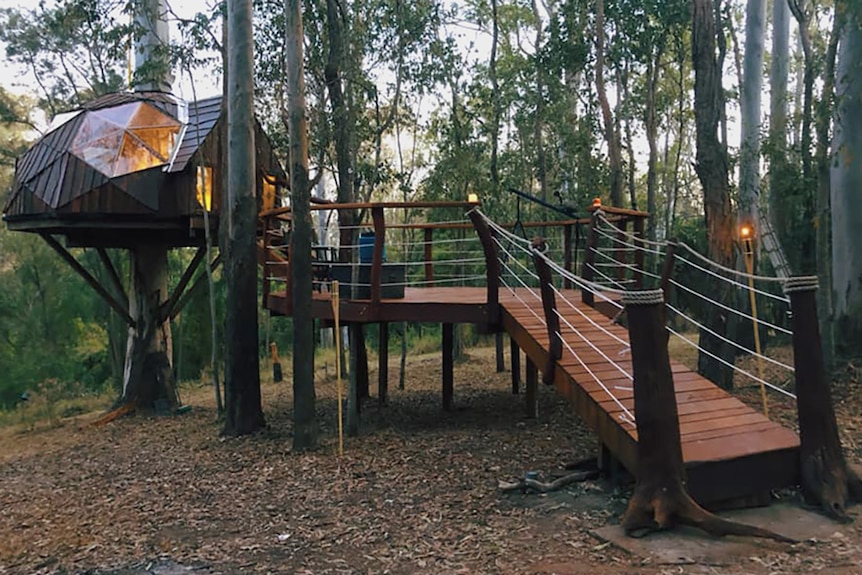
[415,493]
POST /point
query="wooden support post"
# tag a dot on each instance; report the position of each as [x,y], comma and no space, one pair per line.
[167,308]
[588,272]
[660,499]
[549,304]
[123,312]
[567,253]
[429,254]
[383,364]
[448,366]
[377,254]
[122,296]
[826,479]
[498,352]
[362,384]
[199,281]
[532,397]
[516,365]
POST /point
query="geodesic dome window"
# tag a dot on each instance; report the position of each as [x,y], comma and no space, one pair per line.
[125,139]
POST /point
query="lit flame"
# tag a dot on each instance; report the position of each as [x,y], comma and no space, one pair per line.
[745,232]
[473,198]
[597,202]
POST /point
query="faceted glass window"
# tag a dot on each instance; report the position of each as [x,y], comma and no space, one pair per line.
[125,139]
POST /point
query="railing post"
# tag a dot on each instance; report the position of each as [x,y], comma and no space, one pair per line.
[667,268]
[492,263]
[590,260]
[660,472]
[377,256]
[567,253]
[826,479]
[429,254]
[516,365]
[549,304]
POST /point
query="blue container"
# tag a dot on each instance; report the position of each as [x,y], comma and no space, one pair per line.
[366,248]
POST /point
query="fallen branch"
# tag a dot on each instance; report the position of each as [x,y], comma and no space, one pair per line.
[115,414]
[534,484]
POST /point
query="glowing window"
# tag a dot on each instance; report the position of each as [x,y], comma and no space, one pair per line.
[204,187]
[125,139]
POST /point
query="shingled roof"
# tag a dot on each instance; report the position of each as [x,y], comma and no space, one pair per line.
[203,116]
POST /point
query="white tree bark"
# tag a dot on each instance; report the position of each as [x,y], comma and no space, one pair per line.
[749,101]
[846,185]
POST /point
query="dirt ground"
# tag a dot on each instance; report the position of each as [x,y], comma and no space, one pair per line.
[417,492]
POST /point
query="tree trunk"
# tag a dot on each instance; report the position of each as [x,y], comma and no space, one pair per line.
[242,368]
[148,380]
[660,500]
[822,203]
[304,416]
[614,147]
[826,479]
[749,102]
[711,168]
[846,200]
[651,127]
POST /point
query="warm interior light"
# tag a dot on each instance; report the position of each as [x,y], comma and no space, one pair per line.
[268,191]
[473,198]
[125,139]
[204,187]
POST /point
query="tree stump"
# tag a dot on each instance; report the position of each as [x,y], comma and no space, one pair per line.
[660,499]
[827,480]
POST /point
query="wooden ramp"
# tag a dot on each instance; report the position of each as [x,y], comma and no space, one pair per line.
[731,451]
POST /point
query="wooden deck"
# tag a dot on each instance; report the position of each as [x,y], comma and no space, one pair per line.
[731,451]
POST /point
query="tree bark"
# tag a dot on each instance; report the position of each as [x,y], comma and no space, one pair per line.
[148,381]
[822,202]
[846,200]
[660,500]
[826,479]
[243,410]
[711,168]
[304,416]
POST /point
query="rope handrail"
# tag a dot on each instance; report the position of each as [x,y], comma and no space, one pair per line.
[593,287]
[629,416]
[628,246]
[594,347]
[607,278]
[734,282]
[730,365]
[730,309]
[738,346]
[559,294]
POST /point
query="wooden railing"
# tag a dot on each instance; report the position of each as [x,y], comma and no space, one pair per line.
[276,261]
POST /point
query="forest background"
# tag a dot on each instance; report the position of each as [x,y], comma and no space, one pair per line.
[565,99]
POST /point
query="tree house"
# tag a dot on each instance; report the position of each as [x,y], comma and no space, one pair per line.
[140,171]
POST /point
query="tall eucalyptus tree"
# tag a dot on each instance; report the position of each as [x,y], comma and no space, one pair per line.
[712,170]
[847,181]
